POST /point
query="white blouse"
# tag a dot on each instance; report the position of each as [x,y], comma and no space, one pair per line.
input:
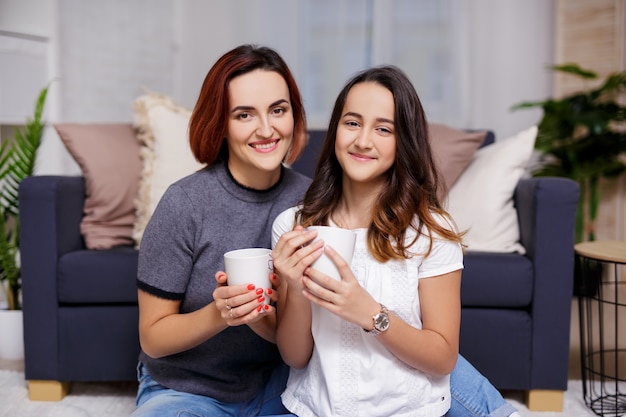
[350,372]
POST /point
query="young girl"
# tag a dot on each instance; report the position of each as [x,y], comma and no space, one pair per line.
[384,339]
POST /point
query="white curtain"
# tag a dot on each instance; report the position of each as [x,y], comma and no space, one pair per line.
[424,38]
[470,60]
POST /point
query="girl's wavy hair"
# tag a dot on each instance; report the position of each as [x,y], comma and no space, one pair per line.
[208,124]
[409,199]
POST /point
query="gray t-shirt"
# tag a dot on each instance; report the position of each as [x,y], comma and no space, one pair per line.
[197,220]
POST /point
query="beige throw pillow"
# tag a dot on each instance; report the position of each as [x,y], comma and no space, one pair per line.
[108,156]
[166,154]
[453,150]
[481,201]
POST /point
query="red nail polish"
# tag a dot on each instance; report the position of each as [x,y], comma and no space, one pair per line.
[269,291]
[266,307]
[261,299]
[259,291]
[259,308]
[250,286]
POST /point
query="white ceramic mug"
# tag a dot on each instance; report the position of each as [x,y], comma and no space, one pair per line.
[341,240]
[249,266]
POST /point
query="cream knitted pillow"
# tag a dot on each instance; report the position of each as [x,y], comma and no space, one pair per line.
[163,129]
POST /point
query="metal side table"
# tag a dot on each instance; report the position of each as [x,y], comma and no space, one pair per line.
[602,311]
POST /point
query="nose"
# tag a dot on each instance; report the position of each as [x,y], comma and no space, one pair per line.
[264,128]
[363,139]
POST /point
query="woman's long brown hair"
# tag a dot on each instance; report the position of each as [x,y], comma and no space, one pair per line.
[409,198]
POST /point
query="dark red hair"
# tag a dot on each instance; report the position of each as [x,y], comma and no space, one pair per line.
[209,120]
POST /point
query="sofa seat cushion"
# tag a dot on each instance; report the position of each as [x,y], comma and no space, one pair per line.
[496,280]
[98,276]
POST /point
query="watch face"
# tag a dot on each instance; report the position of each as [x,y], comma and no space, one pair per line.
[382,322]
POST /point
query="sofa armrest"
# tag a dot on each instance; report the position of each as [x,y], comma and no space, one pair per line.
[546,208]
[50,210]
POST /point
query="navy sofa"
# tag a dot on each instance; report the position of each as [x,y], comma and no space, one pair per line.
[80,306]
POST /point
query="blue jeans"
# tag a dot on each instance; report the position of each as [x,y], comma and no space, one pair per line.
[154,400]
[473,395]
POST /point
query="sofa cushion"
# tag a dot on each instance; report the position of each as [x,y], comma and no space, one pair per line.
[481,201]
[453,150]
[496,280]
[167,156]
[98,277]
[108,156]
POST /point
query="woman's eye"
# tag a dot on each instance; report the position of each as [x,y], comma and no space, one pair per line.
[243,116]
[385,130]
[352,123]
[278,111]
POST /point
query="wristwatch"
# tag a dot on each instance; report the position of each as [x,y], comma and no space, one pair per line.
[381,321]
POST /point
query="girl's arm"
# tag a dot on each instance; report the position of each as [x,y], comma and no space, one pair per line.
[291,256]
[432,349]
[293,332]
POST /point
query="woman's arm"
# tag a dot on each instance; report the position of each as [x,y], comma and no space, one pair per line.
[163,330]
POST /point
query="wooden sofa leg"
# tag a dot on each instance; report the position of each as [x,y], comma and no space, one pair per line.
[39,390]
[544,400]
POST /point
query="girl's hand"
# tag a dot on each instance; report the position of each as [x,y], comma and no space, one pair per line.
[241,304]
[346,298]
[293,253]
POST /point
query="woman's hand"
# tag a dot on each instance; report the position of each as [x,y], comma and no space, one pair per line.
[293,253]
[241,304]
[346,298]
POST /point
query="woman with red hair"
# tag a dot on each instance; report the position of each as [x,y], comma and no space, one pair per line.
[208,349]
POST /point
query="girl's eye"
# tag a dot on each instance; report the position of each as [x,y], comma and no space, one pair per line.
[244,116]
[385,130]
[352,123]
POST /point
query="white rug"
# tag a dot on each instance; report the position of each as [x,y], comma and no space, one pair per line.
[573,405]
[118,400]
[85,399]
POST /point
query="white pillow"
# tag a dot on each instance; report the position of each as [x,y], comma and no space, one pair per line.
[167,157]
[481,201]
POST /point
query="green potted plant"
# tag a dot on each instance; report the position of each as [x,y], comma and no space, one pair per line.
[582,136]
[17,161]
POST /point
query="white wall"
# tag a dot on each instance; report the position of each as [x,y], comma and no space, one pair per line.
[33,17]
[512,42]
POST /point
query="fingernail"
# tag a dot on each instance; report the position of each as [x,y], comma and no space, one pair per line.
[259,308]
[266,307]
[259,291]
[250,286]
[261,299]
[269,291]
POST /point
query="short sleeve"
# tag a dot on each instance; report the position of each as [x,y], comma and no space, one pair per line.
[445,257]
[283,223]
[166,251]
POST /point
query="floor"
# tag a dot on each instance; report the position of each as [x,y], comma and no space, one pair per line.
[573,400]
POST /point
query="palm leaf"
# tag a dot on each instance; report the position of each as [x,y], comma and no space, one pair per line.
[579,137]
[17,161]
